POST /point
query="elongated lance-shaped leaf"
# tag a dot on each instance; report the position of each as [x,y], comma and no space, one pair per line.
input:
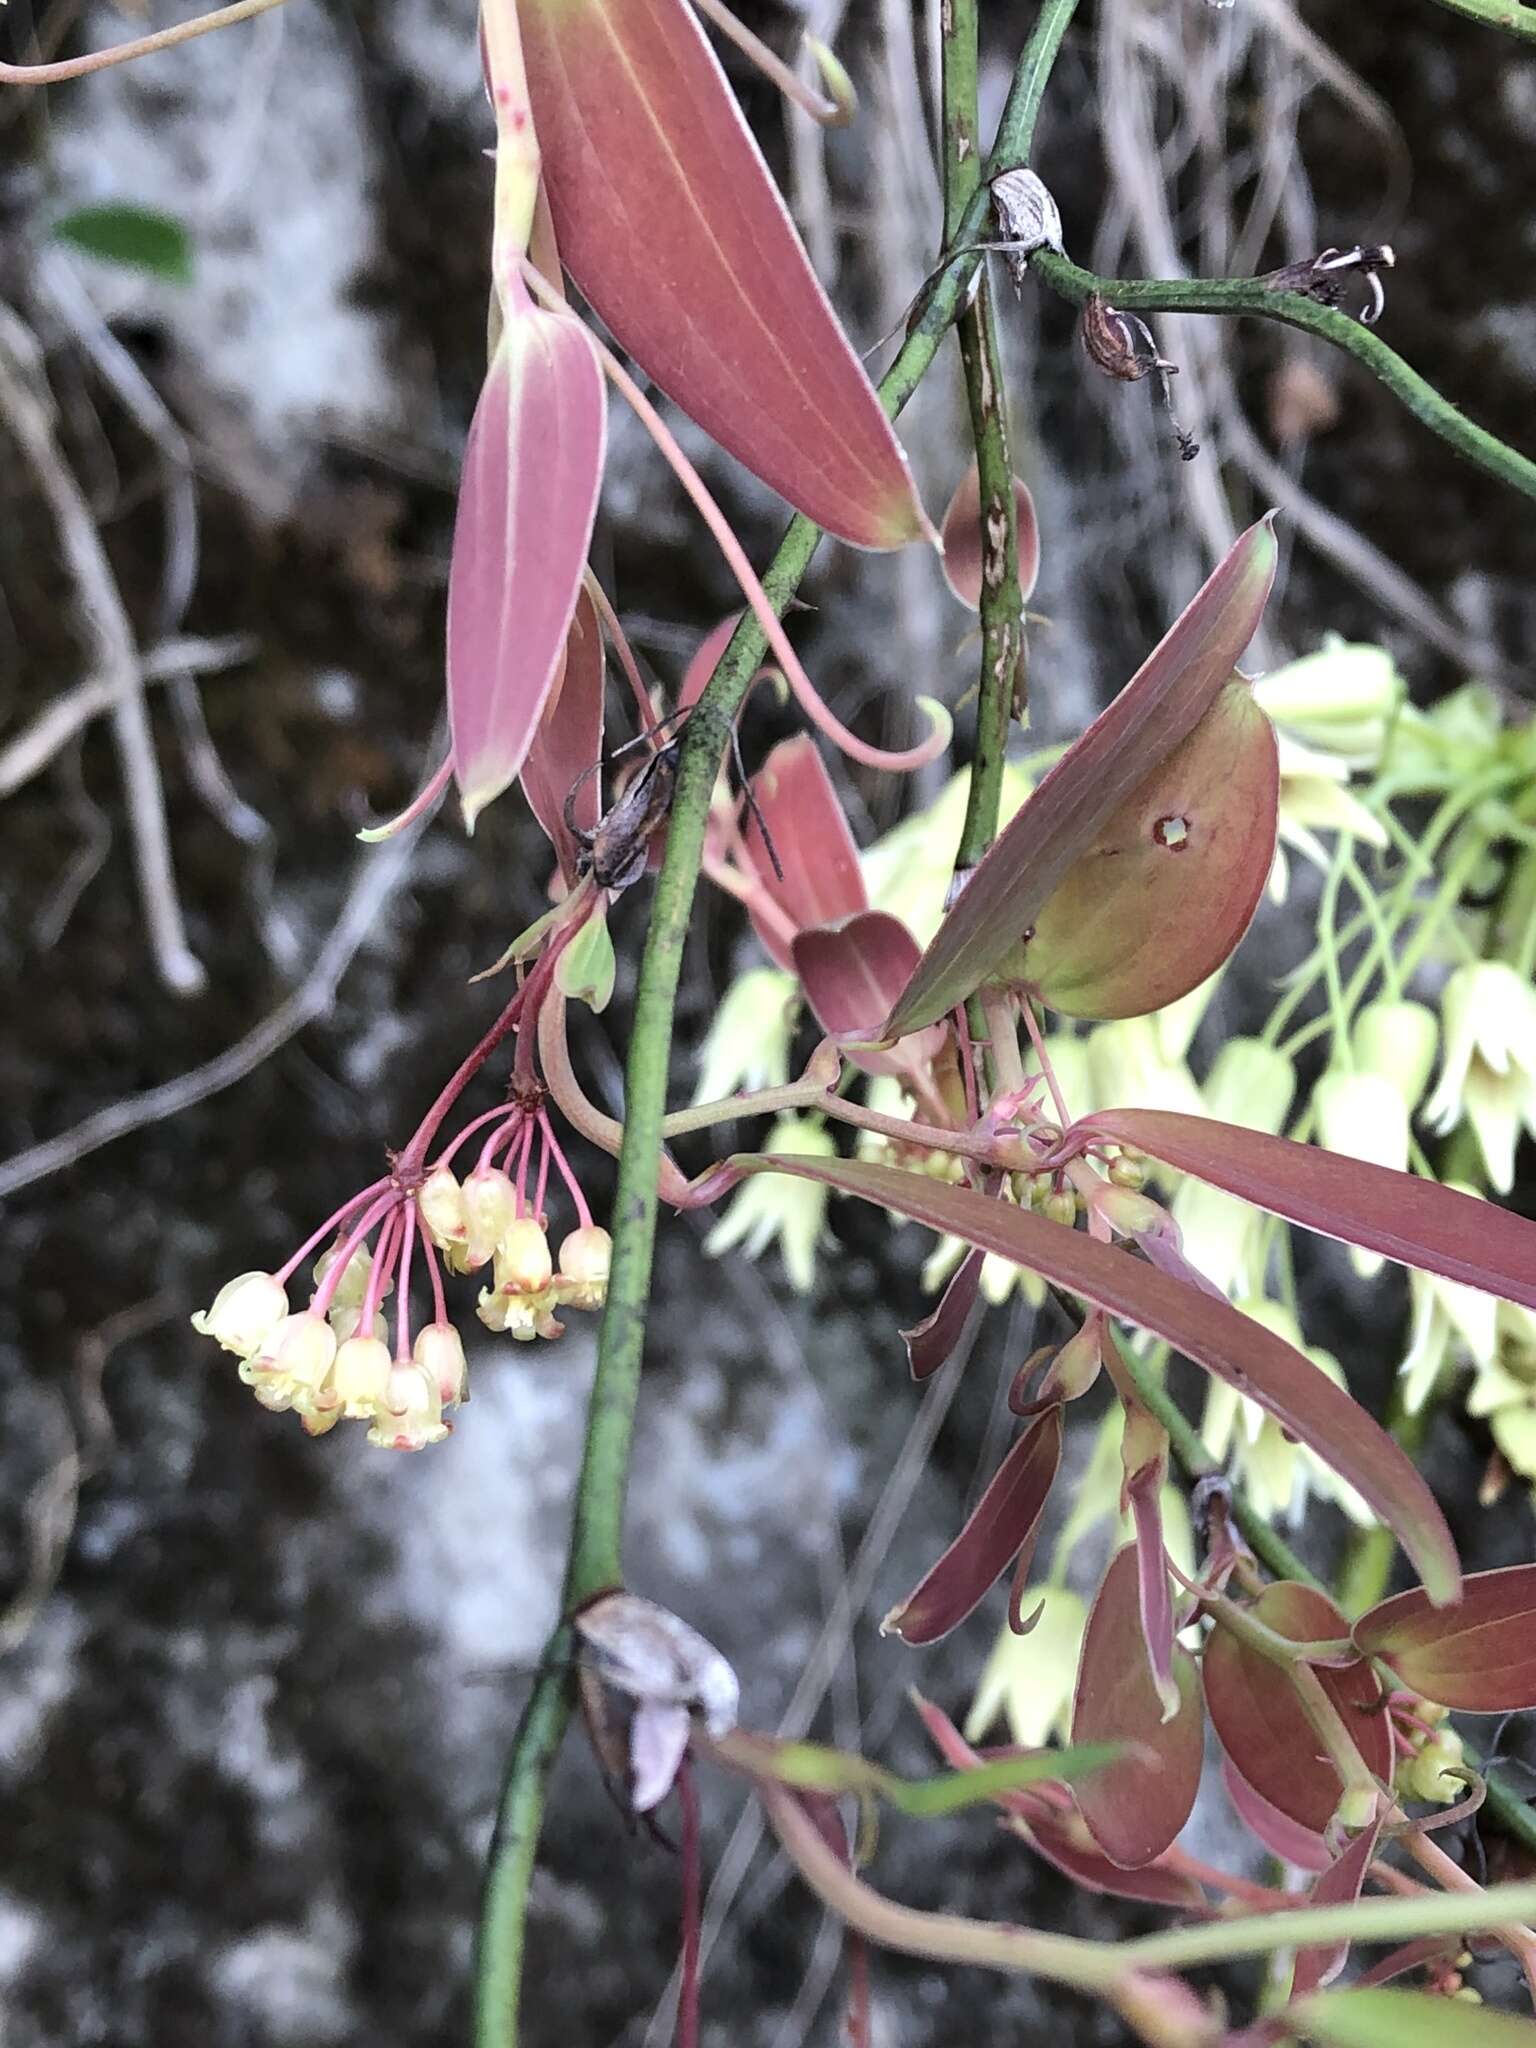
[1157,710]
[1478,1657]
[1258,1715]
[1302,1399]
[533,466]
[568,745]
[1002,1526]
[1170,884]
[676,234]
[1376,2018]
[818,879]
[1136,1807]
[1338,1885]
[1414,1221]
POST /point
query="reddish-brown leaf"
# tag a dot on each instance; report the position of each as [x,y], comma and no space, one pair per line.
[1060,1836]
[850,971]
[674,231]
[1478,1657]
[821,880]
[569,742]
[1135,1807]
[533,464]
[1277,1831]
[1172,879]
[931,1342]
[1414,1221]
[1156,711]
[1258,1715]
[1338,1885]
[960,531]
[1001,1526]
[1208,1330]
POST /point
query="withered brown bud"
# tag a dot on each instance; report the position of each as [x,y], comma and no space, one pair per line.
[1321,277]
[1113,344]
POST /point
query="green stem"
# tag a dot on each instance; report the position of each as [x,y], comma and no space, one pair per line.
[1251,295]
[595,1558]
[1508,15]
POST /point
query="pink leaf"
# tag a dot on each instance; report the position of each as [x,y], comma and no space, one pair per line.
[569,742]
[1001,1526]
[1258,1715]
[674,231]
[1413,1221]
[1281,1835]
[704,660]
[931,1342]
[960,532]
[1478,1657]
[1302,1399]
[851,974]
[1338,1885]
[533,465]
[822,882]
[1135,1807]
[1170,884]
[1157,710]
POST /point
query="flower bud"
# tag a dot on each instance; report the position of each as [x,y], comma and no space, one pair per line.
[353,1283]
[443,1209]
[1397,1039]
[410,1416]
[523,1262]
[1434,1772]
[244,1314]
[1060,1207]
[360,1375]
[585,1258]
[490,1210]
[439,1351]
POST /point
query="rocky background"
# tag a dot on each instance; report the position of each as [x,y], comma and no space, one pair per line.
[256,1692]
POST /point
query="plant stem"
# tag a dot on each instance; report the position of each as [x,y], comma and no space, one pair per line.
[1509,15]
[1252,295]
[595,1555]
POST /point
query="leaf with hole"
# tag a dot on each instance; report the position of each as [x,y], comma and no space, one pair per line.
[1155,713]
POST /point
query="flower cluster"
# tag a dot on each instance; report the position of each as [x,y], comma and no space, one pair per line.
[333,1359]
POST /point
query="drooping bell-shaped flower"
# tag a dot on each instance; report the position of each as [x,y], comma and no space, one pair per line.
[1488,1073]
[586,1256]
[360,1375]
[439,1351]
[773,1205]
[244,1313]
[409,1416]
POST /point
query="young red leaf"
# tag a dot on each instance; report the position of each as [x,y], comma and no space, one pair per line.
[1277,1831]
[1302,1399]
[1156,711]
[1414,1221]
[674,231]
[1478,1657]
[822,882]
[931,1342]
[1060,1836]
[1405,2019]
[1258,1717]
[1338,1885]
[851,974]
[569,742]
[1135,1807]
[1001,1526]
[532,468]
[960,532]
[1172,879]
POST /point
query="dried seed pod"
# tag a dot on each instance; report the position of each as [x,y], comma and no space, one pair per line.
[644,1650]
[1029,218]
[1121,348]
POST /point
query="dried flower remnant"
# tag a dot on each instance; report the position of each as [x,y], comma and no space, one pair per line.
[1123,347]
[1321,277]
[665,1673]
[1029,218]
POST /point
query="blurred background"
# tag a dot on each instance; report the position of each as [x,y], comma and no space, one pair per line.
[256,1692]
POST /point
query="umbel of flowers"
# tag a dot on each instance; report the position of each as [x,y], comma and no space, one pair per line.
[345,1354]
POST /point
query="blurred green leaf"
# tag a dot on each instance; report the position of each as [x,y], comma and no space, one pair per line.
[131,235]
[1406,2019]
[813,1767]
